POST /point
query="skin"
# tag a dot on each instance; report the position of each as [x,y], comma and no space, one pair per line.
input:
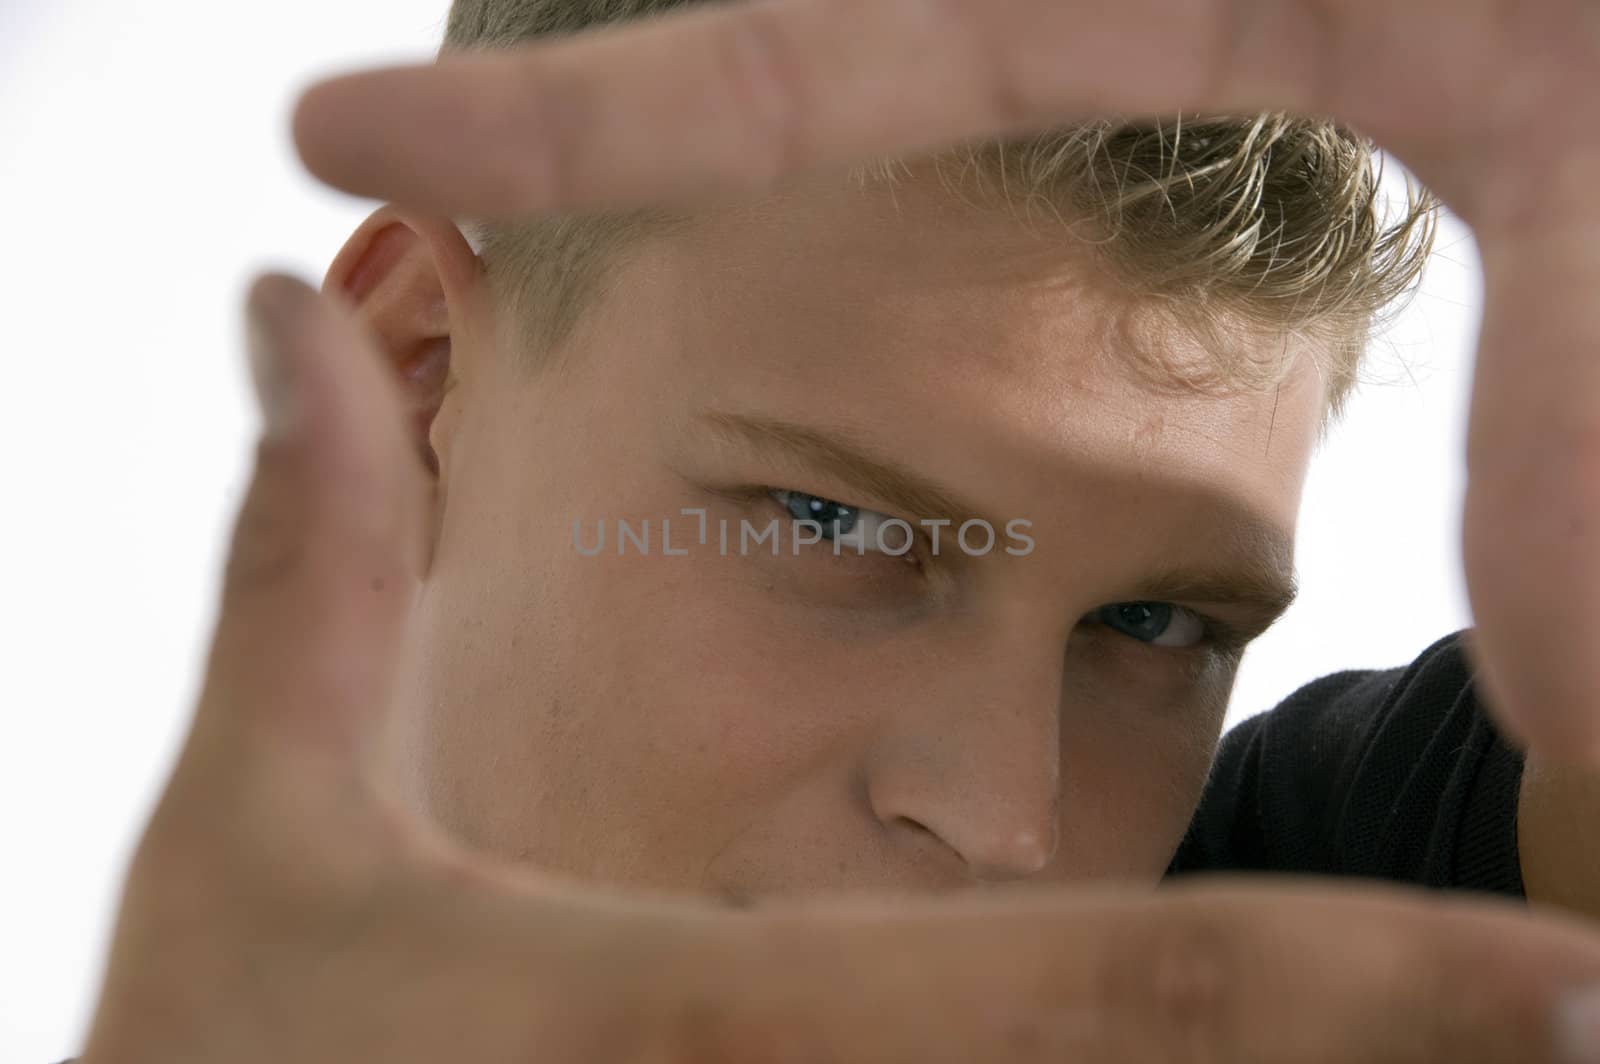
[1492,105]
[286,902]
[746,724]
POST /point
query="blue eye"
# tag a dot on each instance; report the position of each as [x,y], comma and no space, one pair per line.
[836,518]
[863,531]
[1157,623]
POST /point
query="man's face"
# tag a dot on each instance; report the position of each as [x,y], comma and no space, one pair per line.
[741,724]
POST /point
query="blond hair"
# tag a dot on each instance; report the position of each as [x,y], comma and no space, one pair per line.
[1264,223]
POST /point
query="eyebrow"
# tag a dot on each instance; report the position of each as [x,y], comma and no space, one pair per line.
[835,454]
[1259,581]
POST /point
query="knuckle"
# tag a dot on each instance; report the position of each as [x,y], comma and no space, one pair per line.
[1014,93]
[549,132]
[1012,50]
[268,545]
[765,77]
[301,512]
[1443,1006]
[1436,1028]
[1176,986]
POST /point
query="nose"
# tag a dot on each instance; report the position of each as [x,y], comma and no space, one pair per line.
[975,759]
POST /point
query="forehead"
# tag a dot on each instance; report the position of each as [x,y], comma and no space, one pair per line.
[964,340]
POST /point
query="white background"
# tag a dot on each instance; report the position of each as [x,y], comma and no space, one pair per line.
[146,176]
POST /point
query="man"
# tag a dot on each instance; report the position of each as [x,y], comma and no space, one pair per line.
[421,663]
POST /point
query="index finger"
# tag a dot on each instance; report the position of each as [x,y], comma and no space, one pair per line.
[731,98]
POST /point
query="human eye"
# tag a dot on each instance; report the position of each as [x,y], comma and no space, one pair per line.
[845,525]
[1157,623]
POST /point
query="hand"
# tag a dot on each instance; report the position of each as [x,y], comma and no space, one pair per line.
[1494,105]
[282,905]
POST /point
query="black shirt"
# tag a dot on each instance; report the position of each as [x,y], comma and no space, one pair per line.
[1395,774]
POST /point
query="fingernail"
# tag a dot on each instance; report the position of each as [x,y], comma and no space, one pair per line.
[272,305]
[1578,1028]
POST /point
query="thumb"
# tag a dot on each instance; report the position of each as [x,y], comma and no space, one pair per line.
[326,552]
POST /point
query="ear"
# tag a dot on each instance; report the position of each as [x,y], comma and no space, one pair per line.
[415,281]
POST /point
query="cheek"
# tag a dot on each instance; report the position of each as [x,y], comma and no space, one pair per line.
[684,709]
[1128,799]
[1136,748]
[711,665]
